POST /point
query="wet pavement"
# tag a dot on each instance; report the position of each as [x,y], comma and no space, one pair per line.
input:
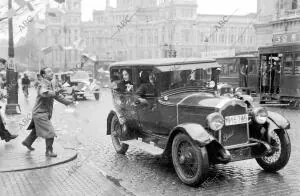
[143,174]
[138,173]
[38,175]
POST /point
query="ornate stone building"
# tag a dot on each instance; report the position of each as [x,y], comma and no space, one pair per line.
[137,29]
[279,22]
[155,27]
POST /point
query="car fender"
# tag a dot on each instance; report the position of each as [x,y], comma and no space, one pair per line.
[278,120]
[111,114]
[195,131]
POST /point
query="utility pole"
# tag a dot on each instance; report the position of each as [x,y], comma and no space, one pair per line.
[12,106]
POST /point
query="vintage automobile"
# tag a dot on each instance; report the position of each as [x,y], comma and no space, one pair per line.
[81,85]
[175,112]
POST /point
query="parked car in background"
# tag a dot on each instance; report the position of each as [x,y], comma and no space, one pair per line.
[175,111]
[82,86]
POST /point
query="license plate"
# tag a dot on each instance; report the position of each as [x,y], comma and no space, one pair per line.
[236,120]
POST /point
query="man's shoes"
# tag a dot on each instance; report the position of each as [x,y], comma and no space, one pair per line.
[50,154]
[11,137]
[29,147]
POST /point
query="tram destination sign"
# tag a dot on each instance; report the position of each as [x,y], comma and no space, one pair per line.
[285,38]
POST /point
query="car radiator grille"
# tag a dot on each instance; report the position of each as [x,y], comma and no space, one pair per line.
[234,134]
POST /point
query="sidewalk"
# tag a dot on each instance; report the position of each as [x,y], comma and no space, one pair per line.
[16,157]
[78,177]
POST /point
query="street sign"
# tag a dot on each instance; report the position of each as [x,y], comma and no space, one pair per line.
[285,38]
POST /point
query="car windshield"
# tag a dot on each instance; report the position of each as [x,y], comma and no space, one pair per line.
[80,75]
[185,78]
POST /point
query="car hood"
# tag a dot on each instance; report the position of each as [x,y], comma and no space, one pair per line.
[86,81]
[203,100]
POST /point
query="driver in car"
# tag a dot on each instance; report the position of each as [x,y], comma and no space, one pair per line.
[148,88]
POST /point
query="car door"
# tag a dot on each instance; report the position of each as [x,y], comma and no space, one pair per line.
[148,114]
[123,102]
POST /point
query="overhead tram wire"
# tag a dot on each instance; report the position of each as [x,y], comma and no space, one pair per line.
[245,29]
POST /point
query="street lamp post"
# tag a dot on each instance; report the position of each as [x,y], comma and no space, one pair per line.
[12,106]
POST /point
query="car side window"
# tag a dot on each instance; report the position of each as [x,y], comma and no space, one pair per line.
[115,78]
[147,83]
[121,79]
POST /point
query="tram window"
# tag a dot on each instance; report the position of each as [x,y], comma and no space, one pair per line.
[297,64]
[288,65]
[252,66]
[232,69]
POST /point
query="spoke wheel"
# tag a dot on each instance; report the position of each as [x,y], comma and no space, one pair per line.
[189,160]
[281,151]
[120,147]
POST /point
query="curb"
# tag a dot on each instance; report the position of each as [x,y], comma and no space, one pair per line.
[42,167]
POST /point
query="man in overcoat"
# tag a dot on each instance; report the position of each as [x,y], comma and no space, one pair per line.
[41,125]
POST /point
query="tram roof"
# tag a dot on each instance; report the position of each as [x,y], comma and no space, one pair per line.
[239,56]
[286,48]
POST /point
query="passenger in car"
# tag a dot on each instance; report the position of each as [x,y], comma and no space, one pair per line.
[185,76]
[125,85]
[149,88]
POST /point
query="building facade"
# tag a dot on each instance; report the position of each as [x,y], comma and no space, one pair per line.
[278,23]
[157,27]
[137,29]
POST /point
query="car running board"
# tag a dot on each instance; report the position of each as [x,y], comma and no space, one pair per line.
[149,148]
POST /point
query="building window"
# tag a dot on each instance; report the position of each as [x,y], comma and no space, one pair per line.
[294,4]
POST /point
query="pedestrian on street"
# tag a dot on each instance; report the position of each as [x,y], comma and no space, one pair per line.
[41,125]
[244,74]
[39,78]
[4,133]
[25,85]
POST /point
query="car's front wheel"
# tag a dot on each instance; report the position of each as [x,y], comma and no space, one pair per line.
[120,147]
[280,154]
[190,160]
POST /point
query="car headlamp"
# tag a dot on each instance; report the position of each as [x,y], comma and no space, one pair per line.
[260,115]
[215,121]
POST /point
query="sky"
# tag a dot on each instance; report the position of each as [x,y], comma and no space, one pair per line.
[204,7]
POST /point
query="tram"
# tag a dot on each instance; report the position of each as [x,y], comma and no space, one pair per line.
[279,74]
[241,71]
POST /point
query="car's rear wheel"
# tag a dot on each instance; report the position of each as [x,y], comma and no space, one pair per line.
[280,154]
[120,147]
[190,160]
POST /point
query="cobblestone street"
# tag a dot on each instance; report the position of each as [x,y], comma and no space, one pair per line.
[138,171]
[150,97]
